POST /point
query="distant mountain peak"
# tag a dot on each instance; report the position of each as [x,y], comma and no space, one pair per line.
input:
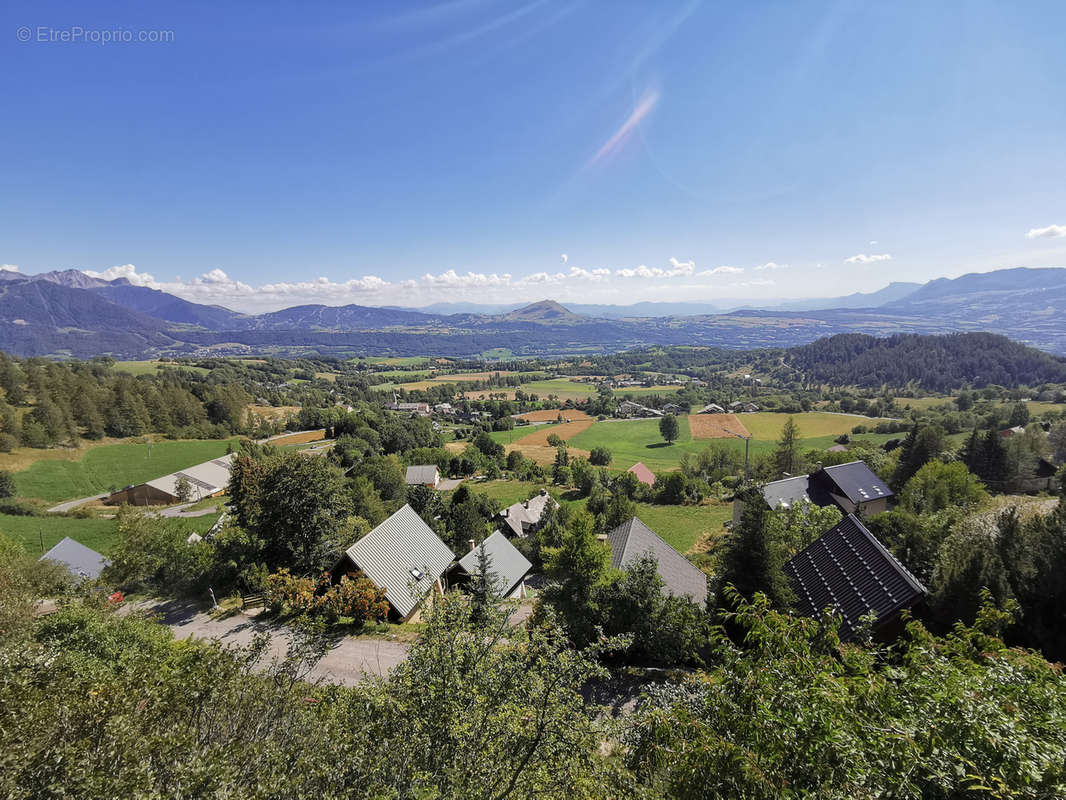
[544,311]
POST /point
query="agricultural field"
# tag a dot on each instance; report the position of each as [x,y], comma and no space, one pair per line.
[303,437]
[716,426]
[812,424]
[98,469]
[552,414]
[96,533]
[272,413]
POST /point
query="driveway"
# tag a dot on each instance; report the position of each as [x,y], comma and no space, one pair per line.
[348,662]
[72,504]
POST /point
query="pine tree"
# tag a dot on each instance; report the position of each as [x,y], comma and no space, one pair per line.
[752,561]
[787,455]
[484,586]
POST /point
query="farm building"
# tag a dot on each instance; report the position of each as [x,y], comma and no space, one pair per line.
[674,408]
[632,539]
[523,518]
[743,408]
[205,480]
[83,562]
[712,408]
[416,409]
[423,475]
[644,475]
[852,487]
[848,570]
[508,565]
[627,408]
[404,558]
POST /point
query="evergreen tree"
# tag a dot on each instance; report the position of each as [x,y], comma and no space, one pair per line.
[668,428]
[484,586]
[752,561]
[576,568]
[786,455]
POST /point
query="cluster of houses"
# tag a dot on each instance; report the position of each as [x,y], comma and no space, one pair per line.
[633,410]
[446,410]
[736,407]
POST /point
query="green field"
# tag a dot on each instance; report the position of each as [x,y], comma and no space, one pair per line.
[113,465]
[560,387]
[152,367]
[812,424]
[645,391]
[98,534]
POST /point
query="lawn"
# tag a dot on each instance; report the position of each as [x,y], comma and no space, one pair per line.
[561,388]
[636,440]
[98,534]
[113,465]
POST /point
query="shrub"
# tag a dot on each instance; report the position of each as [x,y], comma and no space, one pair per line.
[600,456]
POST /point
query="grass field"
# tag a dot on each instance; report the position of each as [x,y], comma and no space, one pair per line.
[152,367]
[812,424]
[117,465]
[299,438]
[716,426]
[99,534]
[561,388]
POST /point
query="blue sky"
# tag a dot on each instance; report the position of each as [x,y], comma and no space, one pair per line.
[471,150]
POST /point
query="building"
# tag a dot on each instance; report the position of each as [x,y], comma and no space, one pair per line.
[508,565]
[644,475]
[852,487]
[674,408]
[848,570]
[423,475]
[743,407]
[404,558]
[84,563]
[627,408]
[444,408]
[632,539]
[523,518]
[712,408]
[417,409]
[208,479]
[1017,430]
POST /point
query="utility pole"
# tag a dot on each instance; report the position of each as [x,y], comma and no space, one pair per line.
[747,443]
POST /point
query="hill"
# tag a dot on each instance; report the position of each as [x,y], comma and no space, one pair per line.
[547,312]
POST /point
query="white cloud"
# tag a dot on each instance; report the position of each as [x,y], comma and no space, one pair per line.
[677,269]
[873,242]
[9,267]
[747,284]
[863,258]
[720,271]
[451,279]
[564,258]
[770,265]
[1050,232]
[127,271]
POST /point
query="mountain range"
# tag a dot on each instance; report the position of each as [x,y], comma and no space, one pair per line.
[70,313]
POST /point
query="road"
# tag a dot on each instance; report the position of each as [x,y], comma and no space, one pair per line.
[348,662]
[72,504]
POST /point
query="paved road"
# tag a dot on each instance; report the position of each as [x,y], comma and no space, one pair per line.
[72,504]
[348,662]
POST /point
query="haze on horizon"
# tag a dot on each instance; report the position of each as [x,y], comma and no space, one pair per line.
[482,151]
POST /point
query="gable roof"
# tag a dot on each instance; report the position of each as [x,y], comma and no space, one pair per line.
[788,491]
[388,554]
[848,569]
[632,539]
[528,511]
[509,565]
[422,474]
[856,481]
[206,479]
[644,475]
[82,561]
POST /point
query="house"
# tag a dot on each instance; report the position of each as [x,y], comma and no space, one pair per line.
[208,479]
[404,558]
[1017,430]
[712,408]
[83,562]
[632,539]
[644,475]
[1041,477]
[415,409]
[423,475]
[674,408]
[627,408]
[444,408]
[739,407]
[506,564]
[523,518]
[852,487]
[848,570]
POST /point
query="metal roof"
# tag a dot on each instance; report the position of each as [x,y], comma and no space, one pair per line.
[632,539]
[206,479]
[421,474]
[849,570]
[509,565]
[527,512]
[82,561]
[788,491]
[403,557]
[856,481]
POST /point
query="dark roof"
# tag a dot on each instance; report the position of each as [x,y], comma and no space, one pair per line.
[632,539]
[421,474]
[509,565]
[849,570]
[82,561]
[855,481]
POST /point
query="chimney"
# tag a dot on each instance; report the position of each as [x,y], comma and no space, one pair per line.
[471,541]
[818,466]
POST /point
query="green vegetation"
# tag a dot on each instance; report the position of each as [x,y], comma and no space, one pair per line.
[153,367]
[97,533]
[113,465]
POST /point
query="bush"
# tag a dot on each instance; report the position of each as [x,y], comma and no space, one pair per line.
[600,456]
[555,440]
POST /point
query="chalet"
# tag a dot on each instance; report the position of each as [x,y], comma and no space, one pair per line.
[632,539]
[849,571]
[627,408]
[447,409]
[414,409]
[404,558]
[852,487]
[674,408]
[644,475]
[1017,430]
[508,566]
[712,408]
[739,407]
[523,518]
[208,479]
[83,562]
[423,475]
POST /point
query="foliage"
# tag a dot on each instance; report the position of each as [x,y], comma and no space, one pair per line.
[937,486]
[787,459]
[576,567]
[752,561]
[7,484]
[600,456]
[668,428]
[154,553]
[795,526]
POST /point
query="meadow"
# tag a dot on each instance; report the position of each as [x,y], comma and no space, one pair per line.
[152,367]
[113,465]
[96,533]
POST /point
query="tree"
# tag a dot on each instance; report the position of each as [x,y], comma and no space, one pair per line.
[787,455]
[668,428]
[575,568]
[1019,415]
[7,484]
[600,456]
[484,586]
[752,561]
[922,445]
[937,486]
[183,489]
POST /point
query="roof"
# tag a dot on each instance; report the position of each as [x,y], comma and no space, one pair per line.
[509,565]
[644,475]
[712,408]
[402,556]
[788,491]
[528,511]
[421,474]
[207,478]
[632,539]
[82,561]
[849,570]
[856,481]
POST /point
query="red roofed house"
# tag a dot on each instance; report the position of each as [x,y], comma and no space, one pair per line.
[644,475]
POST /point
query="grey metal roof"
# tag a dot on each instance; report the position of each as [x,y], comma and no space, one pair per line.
[388,554]
[786,492]
[848,569]
[630,540]
[421,474]
[856,481]
[205,479]
[526,513]
[82,561]
[509,565]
